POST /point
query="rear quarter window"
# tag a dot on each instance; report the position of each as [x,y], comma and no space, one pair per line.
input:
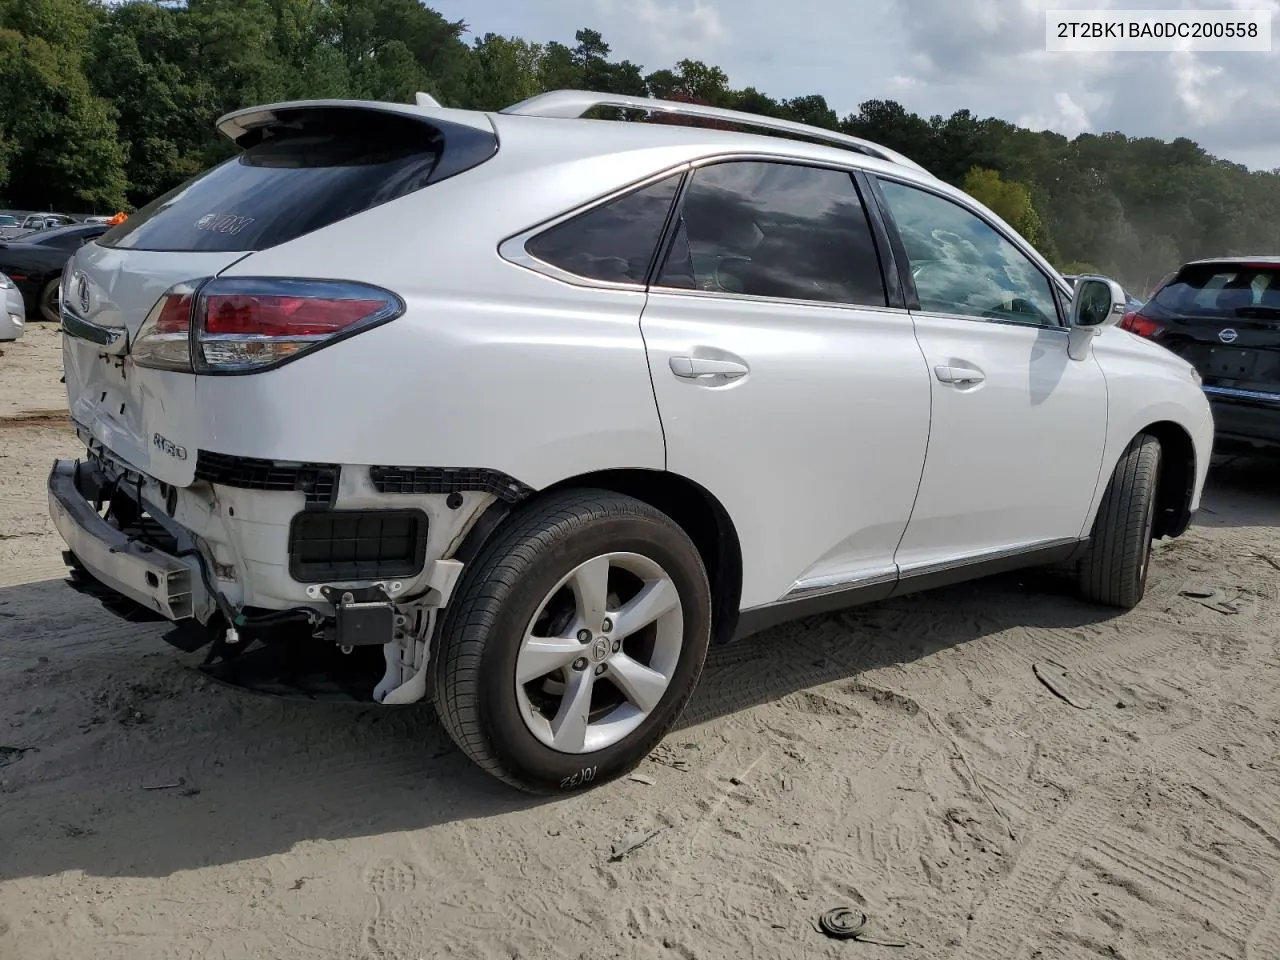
[309,169]
[615,241]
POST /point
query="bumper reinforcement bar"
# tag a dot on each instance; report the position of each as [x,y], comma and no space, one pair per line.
[144,574]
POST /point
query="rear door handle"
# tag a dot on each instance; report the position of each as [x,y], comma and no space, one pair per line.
[701,368]
[959,374]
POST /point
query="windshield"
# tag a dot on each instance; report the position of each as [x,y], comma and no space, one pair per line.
[1222,290]
[7,221]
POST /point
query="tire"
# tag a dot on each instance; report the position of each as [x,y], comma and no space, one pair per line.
[47,305]
[513,589]
[1113,570]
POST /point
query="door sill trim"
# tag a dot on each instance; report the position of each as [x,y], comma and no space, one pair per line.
[821,595]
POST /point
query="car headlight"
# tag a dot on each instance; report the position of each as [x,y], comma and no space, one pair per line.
[5,282]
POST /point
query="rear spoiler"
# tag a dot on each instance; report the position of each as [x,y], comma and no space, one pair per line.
[234,126]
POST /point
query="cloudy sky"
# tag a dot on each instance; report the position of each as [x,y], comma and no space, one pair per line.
[935,56]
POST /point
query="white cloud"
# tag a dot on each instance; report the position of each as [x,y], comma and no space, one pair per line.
[1069,117]
[672,30]
[936,57]
[999,65]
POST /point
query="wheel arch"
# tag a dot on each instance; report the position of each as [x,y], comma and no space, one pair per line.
[689,504]
[701,516]
[1176,484]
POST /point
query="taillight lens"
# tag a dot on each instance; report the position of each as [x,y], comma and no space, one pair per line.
[1135,322]
[244,324]
[164,342]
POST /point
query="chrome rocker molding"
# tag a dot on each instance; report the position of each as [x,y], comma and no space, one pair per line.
[820,595]
[1234,393]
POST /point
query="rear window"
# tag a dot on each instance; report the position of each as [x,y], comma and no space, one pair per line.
[307,170]
[1222,290]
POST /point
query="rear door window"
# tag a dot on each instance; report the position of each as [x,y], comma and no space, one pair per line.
[777,230]
[306,171]
[615,241]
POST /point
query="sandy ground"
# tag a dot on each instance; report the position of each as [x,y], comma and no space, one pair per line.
[903,759]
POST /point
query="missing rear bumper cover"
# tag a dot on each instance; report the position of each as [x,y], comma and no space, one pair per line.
[357,545]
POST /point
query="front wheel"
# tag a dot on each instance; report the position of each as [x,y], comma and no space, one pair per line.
[574,643]
[1114,568]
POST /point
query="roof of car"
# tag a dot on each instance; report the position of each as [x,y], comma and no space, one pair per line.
[1243,258]
[565,108]
[37,236]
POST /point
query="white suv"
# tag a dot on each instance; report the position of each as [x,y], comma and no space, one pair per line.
[541,405]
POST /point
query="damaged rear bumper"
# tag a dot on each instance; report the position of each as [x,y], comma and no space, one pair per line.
[155,580]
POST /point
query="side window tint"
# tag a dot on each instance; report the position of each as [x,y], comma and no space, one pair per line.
[775,230]
[615,241]
[963,266]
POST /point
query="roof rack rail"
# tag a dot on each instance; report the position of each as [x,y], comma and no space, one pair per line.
[572,104]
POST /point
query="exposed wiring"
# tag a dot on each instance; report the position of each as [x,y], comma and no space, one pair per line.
[240,619]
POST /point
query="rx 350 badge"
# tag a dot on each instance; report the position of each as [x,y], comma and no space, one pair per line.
[168,447]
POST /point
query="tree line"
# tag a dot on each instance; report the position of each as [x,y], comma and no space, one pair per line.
[105,106]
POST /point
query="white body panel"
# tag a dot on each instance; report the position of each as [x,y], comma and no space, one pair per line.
[1147,384]
[838,458]
[123,405]
[817,452]
[1013,459]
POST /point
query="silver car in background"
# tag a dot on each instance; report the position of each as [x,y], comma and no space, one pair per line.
[12,310]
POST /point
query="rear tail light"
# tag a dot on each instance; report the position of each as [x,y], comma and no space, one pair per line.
[242,324]
[1135,322]
[164,342]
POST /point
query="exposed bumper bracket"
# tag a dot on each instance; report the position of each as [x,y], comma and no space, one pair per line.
[139,571]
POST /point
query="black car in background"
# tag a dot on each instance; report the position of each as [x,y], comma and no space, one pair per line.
[1223,316]
[34,261]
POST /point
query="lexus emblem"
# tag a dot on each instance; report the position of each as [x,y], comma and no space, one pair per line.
[82,291]
[1228,335]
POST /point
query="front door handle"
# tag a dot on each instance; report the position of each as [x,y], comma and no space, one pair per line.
[701,368]
[960,375]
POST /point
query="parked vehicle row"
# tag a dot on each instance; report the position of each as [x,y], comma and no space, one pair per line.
[35,263]
[640,388]
[14,224]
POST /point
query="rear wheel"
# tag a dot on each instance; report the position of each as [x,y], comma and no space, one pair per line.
[48,303]
[1114,568]
[575,641]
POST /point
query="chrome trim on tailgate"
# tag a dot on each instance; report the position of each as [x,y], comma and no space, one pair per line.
[140,572]
[110,339]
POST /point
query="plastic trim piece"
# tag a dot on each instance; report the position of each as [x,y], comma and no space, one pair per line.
[437,480]
[318,481]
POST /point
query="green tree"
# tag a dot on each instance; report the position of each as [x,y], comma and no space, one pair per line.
[60,141]
[1009,200]
[503,71]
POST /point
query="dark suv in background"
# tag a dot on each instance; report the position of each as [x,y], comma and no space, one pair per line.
[1223,316]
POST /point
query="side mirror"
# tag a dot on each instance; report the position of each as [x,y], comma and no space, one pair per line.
[1096,302]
